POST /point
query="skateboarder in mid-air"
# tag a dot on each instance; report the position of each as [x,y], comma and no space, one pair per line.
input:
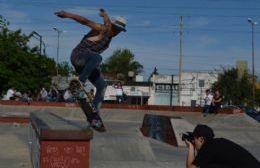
[86,57]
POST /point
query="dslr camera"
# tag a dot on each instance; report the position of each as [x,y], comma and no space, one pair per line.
[187,136]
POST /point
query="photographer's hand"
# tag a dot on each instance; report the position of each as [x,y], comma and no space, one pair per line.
[188,143]
[190,156]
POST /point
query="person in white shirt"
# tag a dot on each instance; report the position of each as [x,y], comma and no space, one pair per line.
[208,102]
[10,95]
[44,94]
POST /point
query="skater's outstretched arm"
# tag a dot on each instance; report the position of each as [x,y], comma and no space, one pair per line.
[107,21]
[79,19]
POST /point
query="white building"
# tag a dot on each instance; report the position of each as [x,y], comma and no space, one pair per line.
[193,85]
[137,92]
[162,90]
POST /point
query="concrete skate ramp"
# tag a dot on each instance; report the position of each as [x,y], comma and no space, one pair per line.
[180,126]
[159,127]
[167,129]
[123,145]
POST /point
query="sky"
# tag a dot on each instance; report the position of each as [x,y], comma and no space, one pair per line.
[216,33]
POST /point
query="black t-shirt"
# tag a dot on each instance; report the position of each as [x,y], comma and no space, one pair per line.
[224,153]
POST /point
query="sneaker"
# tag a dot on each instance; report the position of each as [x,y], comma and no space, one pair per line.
[97,124]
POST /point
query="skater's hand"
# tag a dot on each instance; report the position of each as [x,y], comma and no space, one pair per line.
[102,12]
[61,14]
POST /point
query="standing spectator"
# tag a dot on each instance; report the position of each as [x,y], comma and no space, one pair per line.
[43,94]
[217,101]
[208,100]
[119,92]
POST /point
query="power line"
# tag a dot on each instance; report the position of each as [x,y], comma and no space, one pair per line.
[141,7]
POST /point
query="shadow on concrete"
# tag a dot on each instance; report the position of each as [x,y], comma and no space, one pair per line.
[159,128]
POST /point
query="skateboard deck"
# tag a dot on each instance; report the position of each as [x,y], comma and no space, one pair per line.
[78,91]
[85,101]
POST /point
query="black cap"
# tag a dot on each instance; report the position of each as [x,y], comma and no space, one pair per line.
[203,131]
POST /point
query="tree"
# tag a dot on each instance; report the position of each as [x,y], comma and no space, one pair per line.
[120,63]
[257,97]
[235,90]
[155,72]
[21,66]
[65,69]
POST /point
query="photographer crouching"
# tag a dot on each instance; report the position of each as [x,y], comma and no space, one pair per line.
[215,152]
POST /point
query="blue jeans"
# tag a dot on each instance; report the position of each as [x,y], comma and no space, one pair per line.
[207,109]
[87,64]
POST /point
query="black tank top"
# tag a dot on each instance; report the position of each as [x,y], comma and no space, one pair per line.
[98,46]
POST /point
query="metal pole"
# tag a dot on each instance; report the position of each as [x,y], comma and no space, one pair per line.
[180,63]
[44,48]
[58,49]
[253,23]
[40,45]
[171,91]
[200,96]
[253,61]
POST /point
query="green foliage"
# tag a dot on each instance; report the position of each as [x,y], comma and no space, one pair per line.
[64,69]
[3,22]
[155,72]
[21,66]
[257,97]
[235,90]
[120,63]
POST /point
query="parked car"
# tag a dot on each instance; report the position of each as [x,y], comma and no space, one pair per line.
[234,108]
[251,112]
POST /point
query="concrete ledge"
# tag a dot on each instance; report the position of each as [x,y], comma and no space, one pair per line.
[56,142]
[49,126]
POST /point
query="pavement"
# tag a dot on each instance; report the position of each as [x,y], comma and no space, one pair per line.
[123,145]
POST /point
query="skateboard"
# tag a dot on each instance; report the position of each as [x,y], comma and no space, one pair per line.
[85,101]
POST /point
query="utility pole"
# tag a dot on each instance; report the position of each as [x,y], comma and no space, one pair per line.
[171,91]
[253,24]
[44,48]
[180,61]
[58,48]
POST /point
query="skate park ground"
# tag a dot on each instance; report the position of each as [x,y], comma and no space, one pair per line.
[123,145]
